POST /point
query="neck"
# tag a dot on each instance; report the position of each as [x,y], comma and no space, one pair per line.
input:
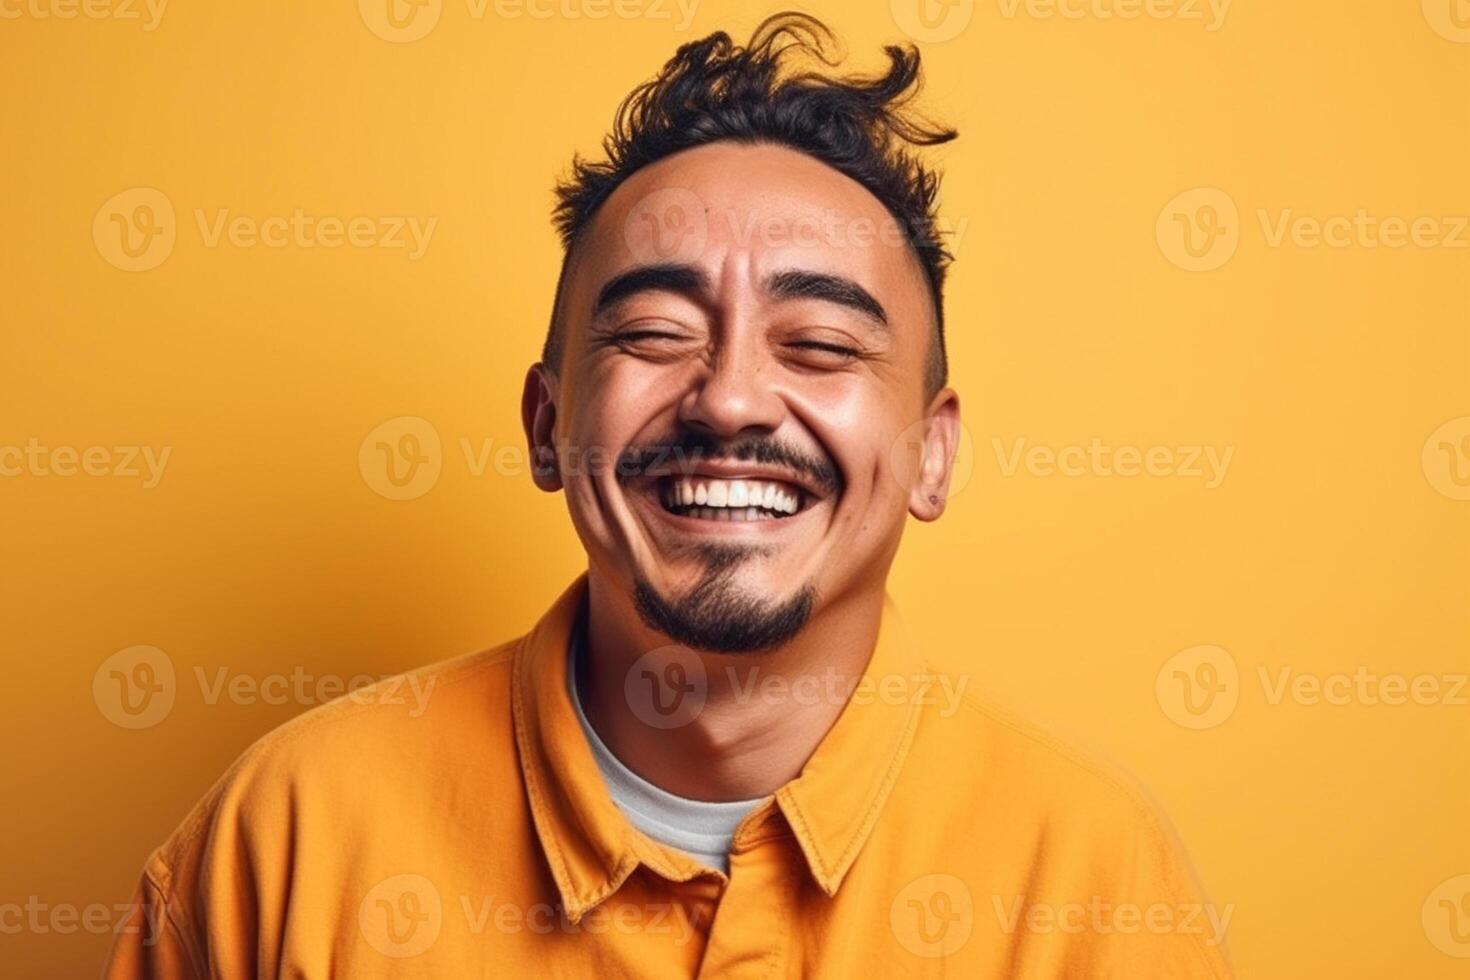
[763,715]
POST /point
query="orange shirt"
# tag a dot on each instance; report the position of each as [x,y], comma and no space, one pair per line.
[469,833]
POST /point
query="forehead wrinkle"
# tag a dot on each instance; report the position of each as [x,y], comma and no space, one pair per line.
[735,269]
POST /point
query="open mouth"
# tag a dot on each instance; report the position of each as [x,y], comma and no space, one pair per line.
[738,500]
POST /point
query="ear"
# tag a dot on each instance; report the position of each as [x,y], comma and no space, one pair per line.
[941,439]
[538,417]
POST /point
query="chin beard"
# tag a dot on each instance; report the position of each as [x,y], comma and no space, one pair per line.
[717,615]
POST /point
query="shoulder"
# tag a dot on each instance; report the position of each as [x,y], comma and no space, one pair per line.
[1003,744]
[1040,823]
[306,807]
[1001,766]
[392,741]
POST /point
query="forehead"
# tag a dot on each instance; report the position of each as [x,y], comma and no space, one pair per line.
[754,209]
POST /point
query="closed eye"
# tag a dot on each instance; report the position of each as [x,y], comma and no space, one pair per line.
[818,345]
[632,335]
[652,344]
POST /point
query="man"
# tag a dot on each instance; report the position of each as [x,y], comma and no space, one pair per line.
[717,754]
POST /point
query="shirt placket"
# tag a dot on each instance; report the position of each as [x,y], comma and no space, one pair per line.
[751,935]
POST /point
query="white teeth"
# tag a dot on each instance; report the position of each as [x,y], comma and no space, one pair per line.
[738,500]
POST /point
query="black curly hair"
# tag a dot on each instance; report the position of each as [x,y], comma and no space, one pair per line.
[713,89]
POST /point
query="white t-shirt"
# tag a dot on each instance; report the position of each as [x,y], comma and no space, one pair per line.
[697,827]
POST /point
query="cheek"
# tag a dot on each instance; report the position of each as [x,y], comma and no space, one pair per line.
[641,382]
[858,423]
[615,403]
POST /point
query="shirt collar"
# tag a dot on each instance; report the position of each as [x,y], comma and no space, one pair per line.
[835,802]
[831,807]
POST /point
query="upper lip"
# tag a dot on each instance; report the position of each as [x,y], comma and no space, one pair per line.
[734,469]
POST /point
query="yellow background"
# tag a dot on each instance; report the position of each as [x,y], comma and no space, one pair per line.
[264,549]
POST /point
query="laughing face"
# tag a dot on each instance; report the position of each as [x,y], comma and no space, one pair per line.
[739,415]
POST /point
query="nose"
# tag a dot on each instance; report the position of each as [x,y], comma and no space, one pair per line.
[733,396]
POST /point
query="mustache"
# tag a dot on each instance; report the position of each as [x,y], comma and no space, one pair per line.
[682,452]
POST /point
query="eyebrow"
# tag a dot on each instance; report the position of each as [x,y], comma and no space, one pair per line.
[649,278]
[799,284]
[791,284]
